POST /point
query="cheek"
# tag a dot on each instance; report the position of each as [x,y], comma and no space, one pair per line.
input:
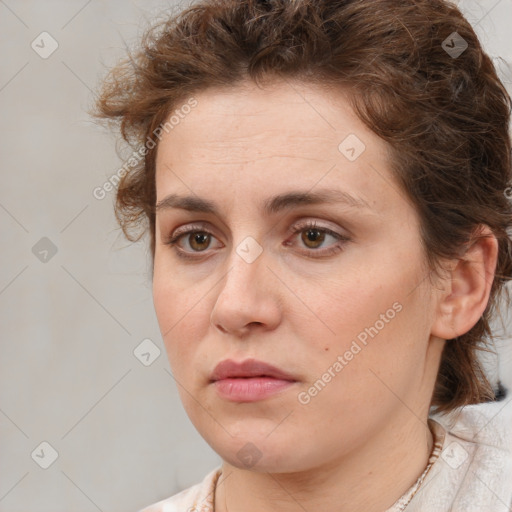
[375,281]
[182,315]
[374,317]
[349,307]
[173,308]
[174,300]
[362,378]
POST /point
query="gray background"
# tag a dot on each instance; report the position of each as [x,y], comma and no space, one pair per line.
[72,320]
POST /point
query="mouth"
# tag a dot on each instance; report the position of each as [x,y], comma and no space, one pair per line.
[250,368]
[249,380]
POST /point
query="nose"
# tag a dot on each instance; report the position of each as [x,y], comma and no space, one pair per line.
[248,297]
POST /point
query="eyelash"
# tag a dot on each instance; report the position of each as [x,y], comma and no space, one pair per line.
[173,240]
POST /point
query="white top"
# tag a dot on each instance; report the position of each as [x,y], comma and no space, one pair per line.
[469,470]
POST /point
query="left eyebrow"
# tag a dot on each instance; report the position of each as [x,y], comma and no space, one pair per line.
[271,206]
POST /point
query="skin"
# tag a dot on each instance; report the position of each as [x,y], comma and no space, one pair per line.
[362,441]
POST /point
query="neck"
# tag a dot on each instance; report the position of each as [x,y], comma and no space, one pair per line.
[369,479]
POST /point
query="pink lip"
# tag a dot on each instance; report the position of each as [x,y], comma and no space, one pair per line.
[249,380]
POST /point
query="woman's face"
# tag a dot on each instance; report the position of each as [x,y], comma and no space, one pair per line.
[342,308]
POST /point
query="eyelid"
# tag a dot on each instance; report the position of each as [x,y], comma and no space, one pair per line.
[294,225]
[190,227]
[173,238]
[315,224]
[297,227]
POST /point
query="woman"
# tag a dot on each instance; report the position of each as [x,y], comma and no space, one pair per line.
[325,187]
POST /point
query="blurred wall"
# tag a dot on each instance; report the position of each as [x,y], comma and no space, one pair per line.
[75,297]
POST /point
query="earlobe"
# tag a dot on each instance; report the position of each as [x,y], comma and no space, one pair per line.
[467,287]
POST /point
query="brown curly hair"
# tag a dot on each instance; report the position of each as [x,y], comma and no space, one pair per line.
[445,116]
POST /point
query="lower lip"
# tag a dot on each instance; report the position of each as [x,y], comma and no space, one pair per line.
[250,389]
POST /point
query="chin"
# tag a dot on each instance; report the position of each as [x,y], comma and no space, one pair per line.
[260,454]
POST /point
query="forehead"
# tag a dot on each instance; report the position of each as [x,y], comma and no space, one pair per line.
[283,134]
[282,118]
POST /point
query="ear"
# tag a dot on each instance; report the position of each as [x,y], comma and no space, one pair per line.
[467,287]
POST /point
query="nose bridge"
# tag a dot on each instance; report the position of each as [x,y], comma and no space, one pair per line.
[246,262]
[247,236]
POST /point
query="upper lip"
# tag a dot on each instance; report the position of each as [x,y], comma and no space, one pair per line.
[249,368]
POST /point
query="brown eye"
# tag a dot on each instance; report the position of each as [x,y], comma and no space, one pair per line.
[311,237]
[197,240]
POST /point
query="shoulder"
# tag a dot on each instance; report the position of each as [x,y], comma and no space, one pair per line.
[475,464]
[198,498]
